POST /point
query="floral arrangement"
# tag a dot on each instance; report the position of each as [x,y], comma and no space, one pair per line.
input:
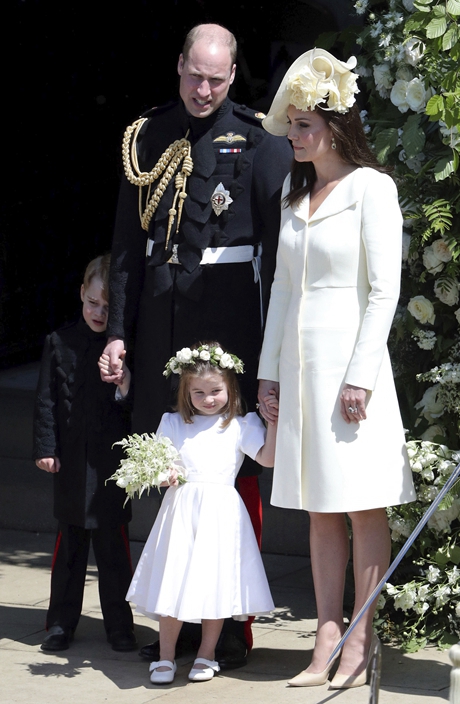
[421,604]
[149,462]
[187,357]
[409,68]
[322,78]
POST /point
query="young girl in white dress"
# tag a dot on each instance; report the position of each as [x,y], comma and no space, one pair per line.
[201,562]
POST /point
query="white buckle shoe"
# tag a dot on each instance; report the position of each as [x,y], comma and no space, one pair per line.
[198,674]
[165,676]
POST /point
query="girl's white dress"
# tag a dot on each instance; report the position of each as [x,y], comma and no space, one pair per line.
[201,559]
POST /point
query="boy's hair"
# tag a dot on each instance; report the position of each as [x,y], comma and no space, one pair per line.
[98,267]
[234,406]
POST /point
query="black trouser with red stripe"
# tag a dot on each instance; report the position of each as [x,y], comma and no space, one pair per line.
[68,573]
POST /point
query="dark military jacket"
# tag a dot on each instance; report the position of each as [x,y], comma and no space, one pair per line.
[164,306]
[77,419]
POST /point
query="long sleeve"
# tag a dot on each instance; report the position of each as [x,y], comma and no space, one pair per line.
[381,233]
[45,428]
[279,301]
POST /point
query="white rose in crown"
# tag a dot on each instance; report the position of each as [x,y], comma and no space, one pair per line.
[421,309]
[218,352]
[431,261]
[413,50]
[184,355]
[447,291]
[226,362]
[205,356]
[398,95]
[416,95]
[441,250]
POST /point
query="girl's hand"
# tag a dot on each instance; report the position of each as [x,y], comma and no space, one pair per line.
[49,464]
[268,389]
[353,403]
[271,402]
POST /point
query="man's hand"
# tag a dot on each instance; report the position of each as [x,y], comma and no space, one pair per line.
[115,351]
[49,464]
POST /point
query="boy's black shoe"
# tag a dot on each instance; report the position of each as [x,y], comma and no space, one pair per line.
[57,638]
[122,641]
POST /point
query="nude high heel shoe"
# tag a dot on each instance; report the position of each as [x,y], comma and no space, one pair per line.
[312,679]
[347,681]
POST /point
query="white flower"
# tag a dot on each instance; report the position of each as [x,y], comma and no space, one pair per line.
[414,50]
[409,5]
[406,599]
[430,405]
[454,575]
[383,79]
[447,292]
[431,261]
[441,250]
[426,339]
[226,362]
[415,163]
[421,607]
[380,602]
[416,95]
[361,6]
[398,95]
[421,309]
[431,432]
[406,238]
[205,355]
[184,355]
[457,610]
[321,80]
[432,574]
[442,595]
[195,353]
[218,352]
[404,73]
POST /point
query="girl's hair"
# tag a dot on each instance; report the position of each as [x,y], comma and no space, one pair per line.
[184,406]
[98,267]
[352,147]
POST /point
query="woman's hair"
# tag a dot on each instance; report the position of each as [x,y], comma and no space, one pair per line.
[352,147]
[184,406]
[98,267]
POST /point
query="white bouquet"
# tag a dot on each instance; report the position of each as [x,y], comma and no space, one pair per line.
[149,462]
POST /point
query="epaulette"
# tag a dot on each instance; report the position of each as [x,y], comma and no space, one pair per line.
[248,113]
[158,110]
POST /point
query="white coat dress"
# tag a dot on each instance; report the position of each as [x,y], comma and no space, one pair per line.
[332,303]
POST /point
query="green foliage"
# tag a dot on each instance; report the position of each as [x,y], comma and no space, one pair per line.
[409,63]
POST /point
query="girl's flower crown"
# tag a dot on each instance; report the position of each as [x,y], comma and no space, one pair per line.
[187,357]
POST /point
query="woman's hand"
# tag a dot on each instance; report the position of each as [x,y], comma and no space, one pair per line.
[353,403]
[49,464]
[268,389]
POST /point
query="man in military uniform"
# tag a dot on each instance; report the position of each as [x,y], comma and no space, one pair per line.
[194,247]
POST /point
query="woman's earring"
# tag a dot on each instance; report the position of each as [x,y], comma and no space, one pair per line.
[333,143]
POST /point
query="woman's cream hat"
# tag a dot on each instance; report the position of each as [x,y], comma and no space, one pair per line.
[315,78]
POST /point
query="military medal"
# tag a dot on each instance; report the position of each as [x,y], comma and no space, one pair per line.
[220,199]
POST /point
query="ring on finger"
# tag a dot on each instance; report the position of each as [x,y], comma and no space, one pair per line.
[352,410]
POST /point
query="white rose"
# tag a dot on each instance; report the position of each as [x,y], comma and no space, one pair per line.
[225,361]
[442,251]
[218,352]
[398,95]
[414,50]
[431,432]
[421,309]
[416,95]
[205,356]
[195,353]
[382,76]
[447,292]
[184,355]
[430,405]
[404,73]
[431,261]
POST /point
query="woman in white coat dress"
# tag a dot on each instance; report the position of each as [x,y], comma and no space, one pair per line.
[340,445]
